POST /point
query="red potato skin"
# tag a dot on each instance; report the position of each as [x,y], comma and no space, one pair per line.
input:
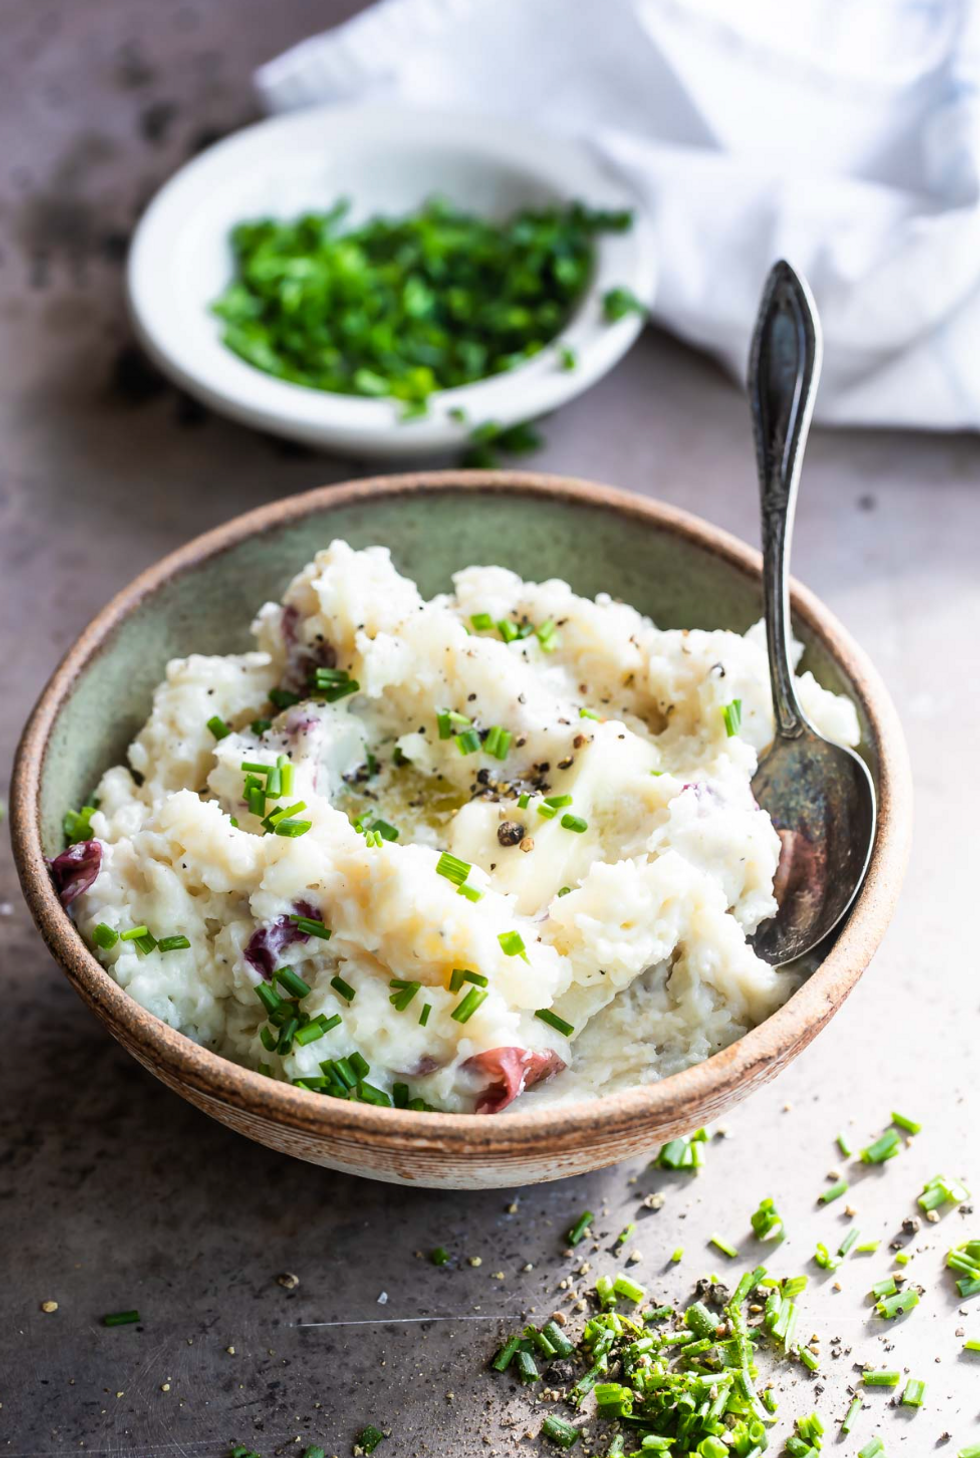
[509,1072]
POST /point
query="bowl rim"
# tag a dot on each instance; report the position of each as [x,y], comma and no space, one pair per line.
[678,1100]
[240,390]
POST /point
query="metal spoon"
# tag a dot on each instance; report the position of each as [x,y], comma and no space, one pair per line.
[819,795]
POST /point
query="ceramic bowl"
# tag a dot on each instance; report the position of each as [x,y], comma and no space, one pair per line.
[384,159]
[202,598]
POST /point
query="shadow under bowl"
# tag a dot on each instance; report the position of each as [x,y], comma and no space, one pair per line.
[671,565]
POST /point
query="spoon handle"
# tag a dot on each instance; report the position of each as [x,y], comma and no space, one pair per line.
[784,367]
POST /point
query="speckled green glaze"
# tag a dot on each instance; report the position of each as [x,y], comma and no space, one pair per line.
[678,569]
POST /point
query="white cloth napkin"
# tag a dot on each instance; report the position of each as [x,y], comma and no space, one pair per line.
[843,135]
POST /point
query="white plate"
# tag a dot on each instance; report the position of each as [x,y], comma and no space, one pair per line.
[384,159]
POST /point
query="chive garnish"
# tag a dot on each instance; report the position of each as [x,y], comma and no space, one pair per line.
[291,981]
[293,828]
[881,1379]
[460,975]
[895,1305]
[554,1021]
[560,1432]
[909,1125]
[844,1146]
[133,934]
[453,868]
[766,1222]
[310,927]
[344,988]
[732,715]
[77,824]
[852,1412]
[121,1318]
[482,622]
[578,1230]
[403,994]
[218,727]
[268,997]
[574,822]
[465,1009]
[468,742]
[440,1257]
[369,1438]
[884,1148]
[282,698]
[448,722]
[259,726]
[424,1014]
[173,944]
[497,742]
[833,1193]
[724,1246]
[105,937]
[914,1393]
[470,892]
[512,944]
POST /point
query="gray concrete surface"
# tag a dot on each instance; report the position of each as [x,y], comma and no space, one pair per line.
[113,1193]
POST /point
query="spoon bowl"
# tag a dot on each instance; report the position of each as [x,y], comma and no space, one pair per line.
[819,795]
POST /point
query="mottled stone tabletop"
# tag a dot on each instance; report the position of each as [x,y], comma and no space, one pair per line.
[113,1192]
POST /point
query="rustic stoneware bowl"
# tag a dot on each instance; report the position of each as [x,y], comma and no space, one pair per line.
[671,565]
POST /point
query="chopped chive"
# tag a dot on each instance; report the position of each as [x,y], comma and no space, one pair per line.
[523,801]
[218,727]
[902,1257]
[282,698]
[886,1287]
[567,358]
[368,1094]
[453,868]
[546,811]
[509,1350]
[884,1148]
[724,1246]
[259,726]
[898,1304]
[482,622]
[424,1014]
[498,741]
[448,722]
[554,1021]
[173,944]
[547,636]
[462,974]
[507,630]
[105,937]
[852,1412]
[914,1393]
[287,775]
[560,1432]
[578,1230]
[369,1438]
[344,988]
[972,1345]
[77,824]
[526,1369]
[585,713]
[286,1035]
[254,767]
[470,892]
[844,1146]
[908,1124]
[558,802]
[310,927]
[553,1332]
[766,1222]
[268,997]
[677,1255]
[867,1247]
[564,890]
[881,1379]
[732,715]
[874,1449]
[291,981]
[403,995]
[833,1193]
[133,934]
[312,1032]
[146,943]
[465,1009]
[399,1095]
[512,944]
[847,1243]
[293,828]
[273,782]
[121,1318]
[468,742]
[809,1360]
[574,822]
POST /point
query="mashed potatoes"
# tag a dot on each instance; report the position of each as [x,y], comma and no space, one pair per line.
[502,840]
